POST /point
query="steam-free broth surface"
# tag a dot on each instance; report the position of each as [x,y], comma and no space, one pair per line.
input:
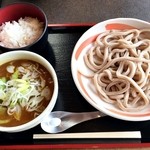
[26,88]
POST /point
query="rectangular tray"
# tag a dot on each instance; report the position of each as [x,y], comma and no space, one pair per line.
[58,51]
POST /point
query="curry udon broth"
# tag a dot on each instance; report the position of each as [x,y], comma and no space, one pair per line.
[26,88]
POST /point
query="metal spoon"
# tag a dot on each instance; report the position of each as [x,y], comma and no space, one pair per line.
[59,121]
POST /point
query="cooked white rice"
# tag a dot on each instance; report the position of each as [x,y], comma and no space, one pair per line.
[20,34]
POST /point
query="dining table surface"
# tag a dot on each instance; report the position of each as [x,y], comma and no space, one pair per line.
[65,13]
[89,11]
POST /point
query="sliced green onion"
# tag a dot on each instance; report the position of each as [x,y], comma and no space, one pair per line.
[5,121]
[15,74]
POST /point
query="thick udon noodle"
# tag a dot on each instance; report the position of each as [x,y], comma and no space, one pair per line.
[120,61]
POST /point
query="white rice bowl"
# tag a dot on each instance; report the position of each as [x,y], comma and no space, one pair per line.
[20,33]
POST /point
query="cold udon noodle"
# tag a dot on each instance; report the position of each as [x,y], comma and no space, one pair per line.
[120,62]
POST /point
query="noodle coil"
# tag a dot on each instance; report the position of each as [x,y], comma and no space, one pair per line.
[120,62]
